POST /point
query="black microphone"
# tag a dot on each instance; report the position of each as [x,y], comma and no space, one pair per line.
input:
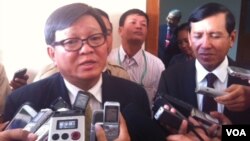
[185,109]
[140,126]
[59,103]
[181,106]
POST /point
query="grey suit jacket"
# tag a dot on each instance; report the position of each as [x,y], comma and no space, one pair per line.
[179,81]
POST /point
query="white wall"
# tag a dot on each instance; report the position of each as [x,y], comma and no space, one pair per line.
[21,29]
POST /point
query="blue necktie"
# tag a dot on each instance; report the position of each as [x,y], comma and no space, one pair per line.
[209,104]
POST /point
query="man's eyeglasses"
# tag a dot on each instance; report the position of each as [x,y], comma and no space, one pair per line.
[75,44]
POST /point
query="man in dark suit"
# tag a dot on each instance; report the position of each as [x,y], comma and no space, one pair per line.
[212,34]
[167,43]
[76,42]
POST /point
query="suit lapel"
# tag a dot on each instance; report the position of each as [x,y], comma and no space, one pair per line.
[189,77]
[60,89]
[106,88]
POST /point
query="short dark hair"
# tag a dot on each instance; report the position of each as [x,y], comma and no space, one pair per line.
[183,26]
[65,16]
[130,12]
[210,9]
[104,14]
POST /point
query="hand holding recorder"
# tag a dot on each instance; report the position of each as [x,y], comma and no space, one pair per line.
[109,119]
[197,133]
[209,91]
[239,72]
[123,134]
[237,98]
[170,118]
[183,111]
[19,79]
[22,117]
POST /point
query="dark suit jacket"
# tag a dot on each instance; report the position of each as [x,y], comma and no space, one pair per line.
[180,81]
[165,54]
[42,93]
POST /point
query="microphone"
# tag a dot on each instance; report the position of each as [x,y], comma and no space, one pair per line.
[59,104]
[181,106]
[23,116]
[141,126]
[40,118]
[40,124]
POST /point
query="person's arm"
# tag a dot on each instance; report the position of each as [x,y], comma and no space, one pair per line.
[4,88]
[123,136]
[237,99]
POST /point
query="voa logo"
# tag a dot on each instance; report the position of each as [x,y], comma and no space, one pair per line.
[236,132]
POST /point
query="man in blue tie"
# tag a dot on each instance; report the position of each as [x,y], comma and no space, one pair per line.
[212,33]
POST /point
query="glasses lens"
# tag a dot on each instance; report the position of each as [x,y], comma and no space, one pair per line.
[96,40]
[72,44]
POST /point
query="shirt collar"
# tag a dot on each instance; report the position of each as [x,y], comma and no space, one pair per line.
[220,71]
[95,90]
[138,57]
[122,54]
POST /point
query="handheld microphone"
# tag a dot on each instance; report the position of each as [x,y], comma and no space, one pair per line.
[40,118]
[58,104]
[22,117]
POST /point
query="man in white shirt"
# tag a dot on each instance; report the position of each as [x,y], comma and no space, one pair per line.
[143,67]
[211,36]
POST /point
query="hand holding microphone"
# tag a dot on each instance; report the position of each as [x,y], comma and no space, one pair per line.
[109,119]
[123,136]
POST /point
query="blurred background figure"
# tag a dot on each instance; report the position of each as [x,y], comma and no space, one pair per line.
[6,87]
[167,46]
[140,64]
[183,44]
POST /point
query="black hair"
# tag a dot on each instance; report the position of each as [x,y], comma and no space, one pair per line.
[104,14]
[183,26]
[210,9]
[130,12]
[65,16]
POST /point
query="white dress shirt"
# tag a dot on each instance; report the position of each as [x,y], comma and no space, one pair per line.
[95,100]
[220,84]
[143,68]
